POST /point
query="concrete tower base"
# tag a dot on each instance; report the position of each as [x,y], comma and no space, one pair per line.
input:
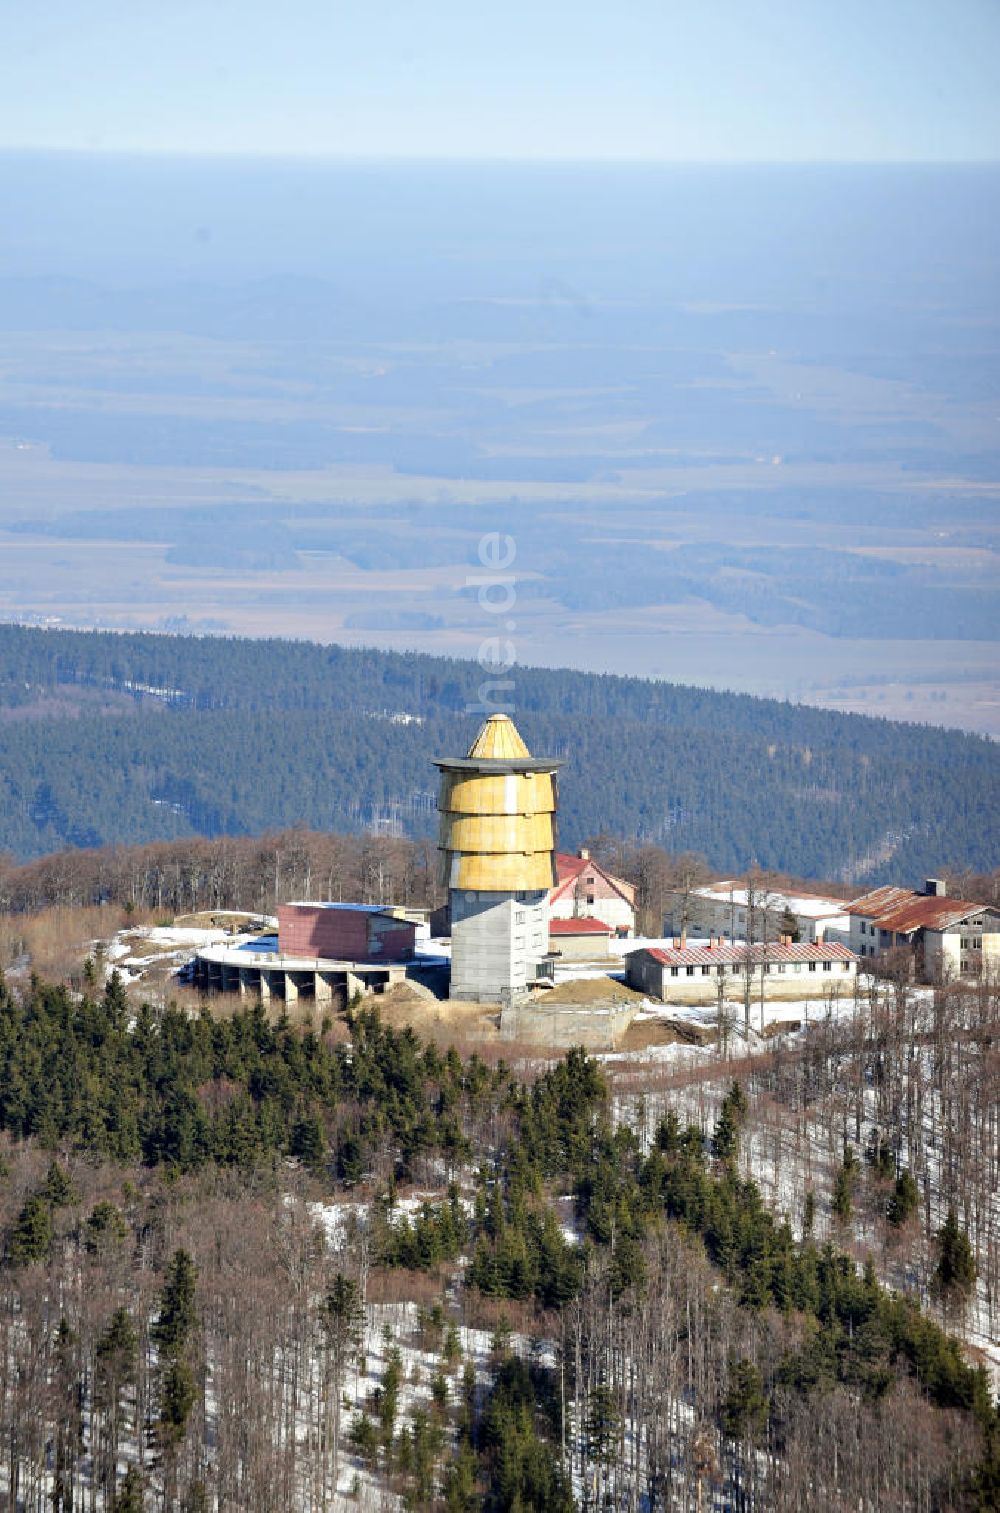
[497,941]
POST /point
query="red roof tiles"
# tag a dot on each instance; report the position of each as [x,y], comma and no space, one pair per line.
[569,868]
[578,927]
[731,955]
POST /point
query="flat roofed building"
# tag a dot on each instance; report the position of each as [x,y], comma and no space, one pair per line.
[726,909]
[345,932]
[948,937]
[579,939]
[695,973]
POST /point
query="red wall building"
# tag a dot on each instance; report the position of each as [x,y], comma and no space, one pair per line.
[344,932]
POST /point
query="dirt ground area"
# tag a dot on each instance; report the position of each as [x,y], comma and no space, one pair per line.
[443,1020]
[601,991]
[232,920]
[643,1033]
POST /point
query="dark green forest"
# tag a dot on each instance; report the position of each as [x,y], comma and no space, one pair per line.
[128,738]
[185,1095]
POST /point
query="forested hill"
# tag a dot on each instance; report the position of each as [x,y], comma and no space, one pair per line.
[109,738]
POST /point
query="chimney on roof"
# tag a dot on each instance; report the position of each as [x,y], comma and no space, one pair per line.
[684,936]
[935,887]
[583,854]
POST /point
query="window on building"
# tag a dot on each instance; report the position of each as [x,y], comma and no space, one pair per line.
[590,898]
[846,965]
[828,966]
[673,971]
[812,966]
[705,971]
[689,971]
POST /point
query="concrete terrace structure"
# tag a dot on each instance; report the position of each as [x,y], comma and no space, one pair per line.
[256,969]
[725,909]
[695,973]
[586,890]
[497,809]
[948,937]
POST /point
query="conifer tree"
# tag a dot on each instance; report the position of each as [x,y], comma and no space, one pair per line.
[57,1189]
[128,1498]
[745,1406]
[32,1236]
[904,1200]
[842,1202]
[955,1273]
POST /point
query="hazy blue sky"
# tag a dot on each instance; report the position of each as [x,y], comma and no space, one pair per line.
[662,79]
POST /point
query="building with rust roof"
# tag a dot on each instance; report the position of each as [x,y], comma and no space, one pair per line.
[948,937]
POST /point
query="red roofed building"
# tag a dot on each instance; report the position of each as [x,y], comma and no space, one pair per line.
[584,890]
[694,974]
[581,939]
[949,937]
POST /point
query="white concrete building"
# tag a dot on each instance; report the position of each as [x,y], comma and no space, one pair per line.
[725,909]
[948,937]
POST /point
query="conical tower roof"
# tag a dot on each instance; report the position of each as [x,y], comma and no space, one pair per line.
[498,740]
[497,808]
[498,748]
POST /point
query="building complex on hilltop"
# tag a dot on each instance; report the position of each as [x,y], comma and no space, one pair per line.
[517,907]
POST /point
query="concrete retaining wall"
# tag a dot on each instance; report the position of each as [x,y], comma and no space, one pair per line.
[566,1024]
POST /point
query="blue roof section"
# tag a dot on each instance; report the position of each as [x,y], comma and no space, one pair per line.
[260,944]
[305,903]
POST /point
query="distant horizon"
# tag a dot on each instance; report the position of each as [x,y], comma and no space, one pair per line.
[835,81]
[470,160]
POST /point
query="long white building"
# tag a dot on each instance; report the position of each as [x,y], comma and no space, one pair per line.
[727,909]
[699,973]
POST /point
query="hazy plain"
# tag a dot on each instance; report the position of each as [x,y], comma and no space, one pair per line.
[742,425]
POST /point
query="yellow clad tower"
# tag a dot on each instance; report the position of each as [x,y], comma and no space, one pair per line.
[497,841]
